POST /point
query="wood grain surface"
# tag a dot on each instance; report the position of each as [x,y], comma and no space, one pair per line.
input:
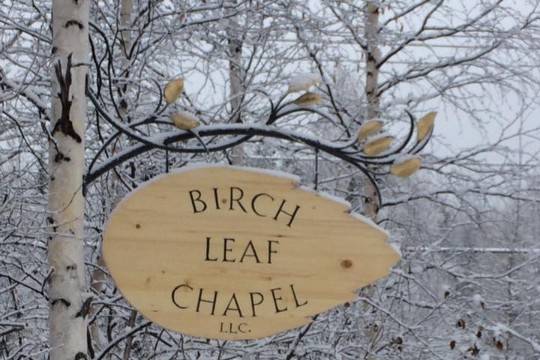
[234,253]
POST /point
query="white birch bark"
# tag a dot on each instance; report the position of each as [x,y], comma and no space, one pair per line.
[372,54]
[236,81]
[67,283]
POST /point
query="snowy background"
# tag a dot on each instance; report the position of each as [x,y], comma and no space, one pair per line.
[467,224]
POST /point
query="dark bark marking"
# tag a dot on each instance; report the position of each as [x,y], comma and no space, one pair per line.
[59,157]
[84,187]
[81,356]
[63,301]
[85,308]
[74,23]
[64,124]
[71,267]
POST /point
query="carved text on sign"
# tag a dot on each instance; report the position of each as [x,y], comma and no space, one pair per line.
[233,253]
[237,202]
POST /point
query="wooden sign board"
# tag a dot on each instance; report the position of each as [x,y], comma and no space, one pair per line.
[236,253]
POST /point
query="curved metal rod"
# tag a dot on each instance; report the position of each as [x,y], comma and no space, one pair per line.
[409,135]
[145,121]
[160,97]
[419,146]
[230,129]
[126,129]
[129,130]
[242,133]
[102,149]
[267,96]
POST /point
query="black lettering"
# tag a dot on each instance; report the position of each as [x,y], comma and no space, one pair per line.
[253,252]
[296,298]
[236,308]
[253,303]
[234,199]
[293,215]
[254,200]
[216,198]
[173,295]
[197,200]
[270,251]
[201,300]
[207,258]
[227,249]
[242,327]
[276,298]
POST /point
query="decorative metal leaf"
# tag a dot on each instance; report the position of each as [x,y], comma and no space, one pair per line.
[425,125]
[184,120]
[308,99]
[173,90]
[406,166]
[368,128]
[377,144]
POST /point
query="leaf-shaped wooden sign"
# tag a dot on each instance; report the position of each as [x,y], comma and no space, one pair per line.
[237,253]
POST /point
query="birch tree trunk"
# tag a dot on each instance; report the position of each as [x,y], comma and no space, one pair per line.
[67,284]
[236,80]
[372,54]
